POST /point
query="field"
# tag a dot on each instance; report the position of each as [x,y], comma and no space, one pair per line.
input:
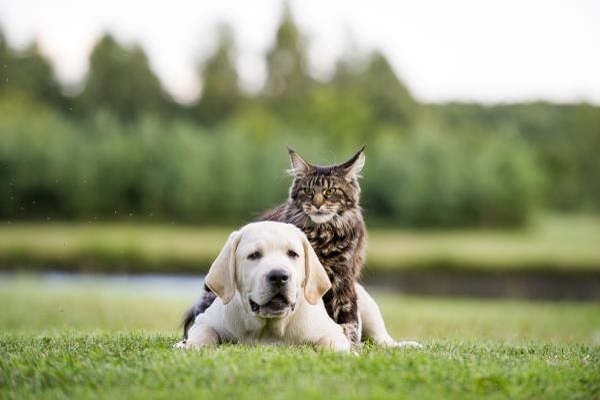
[551,243]
[99,340]
[94,336]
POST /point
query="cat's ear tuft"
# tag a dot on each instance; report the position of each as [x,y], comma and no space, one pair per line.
[299,166]
[354,165]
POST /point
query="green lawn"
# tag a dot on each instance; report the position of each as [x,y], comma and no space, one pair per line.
[103,308]
[551,243]
[98,341]
[137,366]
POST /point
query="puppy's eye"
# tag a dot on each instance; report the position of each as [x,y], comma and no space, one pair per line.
[292,254]
[255,256]
[329,192]
[309,191]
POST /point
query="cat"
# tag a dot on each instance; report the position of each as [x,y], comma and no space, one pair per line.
[323,203]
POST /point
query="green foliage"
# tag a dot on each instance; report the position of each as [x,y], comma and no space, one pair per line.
[172,171]
[120,81]
[287,65]
[175,171]
[221,95]
[121,147]
[28,72]
[384,95]
[434,179]
[565,137]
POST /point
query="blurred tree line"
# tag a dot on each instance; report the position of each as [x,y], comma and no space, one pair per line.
[122,148]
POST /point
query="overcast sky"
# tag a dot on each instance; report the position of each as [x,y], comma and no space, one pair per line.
[470,50]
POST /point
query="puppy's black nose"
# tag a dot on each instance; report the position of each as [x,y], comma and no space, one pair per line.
[278,277]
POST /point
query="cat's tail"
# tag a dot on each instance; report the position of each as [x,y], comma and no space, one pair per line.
[205,301]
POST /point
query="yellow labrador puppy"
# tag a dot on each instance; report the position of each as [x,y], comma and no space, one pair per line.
[269,284]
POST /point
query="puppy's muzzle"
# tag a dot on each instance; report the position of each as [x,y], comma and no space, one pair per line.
[279,303]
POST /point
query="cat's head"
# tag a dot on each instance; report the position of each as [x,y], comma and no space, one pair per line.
[323,193]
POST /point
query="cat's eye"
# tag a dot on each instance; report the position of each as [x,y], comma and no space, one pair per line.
[255,256]
[292,254]
[329,192]
[309,191]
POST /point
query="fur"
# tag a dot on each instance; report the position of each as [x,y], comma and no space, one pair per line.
[333,224]
[245,310]
[236,280]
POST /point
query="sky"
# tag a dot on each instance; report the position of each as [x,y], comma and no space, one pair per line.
[486,51]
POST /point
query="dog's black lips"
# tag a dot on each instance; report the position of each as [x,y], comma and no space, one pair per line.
[278,301]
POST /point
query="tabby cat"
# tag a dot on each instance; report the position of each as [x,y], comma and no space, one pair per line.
[323,202]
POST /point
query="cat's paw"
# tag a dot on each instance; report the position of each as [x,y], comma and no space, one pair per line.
[351,331]
[180,345]
[387,341]
[407,344]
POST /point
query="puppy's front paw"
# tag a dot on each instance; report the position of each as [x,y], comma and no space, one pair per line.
[186,344]
[180,345]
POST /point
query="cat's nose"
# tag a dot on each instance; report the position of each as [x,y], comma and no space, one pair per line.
[317,202]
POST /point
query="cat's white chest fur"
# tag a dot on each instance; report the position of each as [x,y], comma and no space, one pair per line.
[321,218]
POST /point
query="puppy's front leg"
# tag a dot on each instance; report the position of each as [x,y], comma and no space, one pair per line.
[199,335]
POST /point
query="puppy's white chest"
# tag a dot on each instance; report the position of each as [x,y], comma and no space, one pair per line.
[267,332]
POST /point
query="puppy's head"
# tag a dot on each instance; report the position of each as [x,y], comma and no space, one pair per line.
[270,264]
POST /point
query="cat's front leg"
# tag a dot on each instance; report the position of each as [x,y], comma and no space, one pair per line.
[372,322]
[342,307]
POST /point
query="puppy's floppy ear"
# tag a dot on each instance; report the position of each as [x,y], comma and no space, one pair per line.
[221,276]
[316,281]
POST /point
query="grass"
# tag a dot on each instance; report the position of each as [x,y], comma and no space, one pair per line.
[98,341]
[551,243]
[30,305]
[138,366]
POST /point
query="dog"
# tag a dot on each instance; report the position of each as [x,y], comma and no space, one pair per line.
[269,284]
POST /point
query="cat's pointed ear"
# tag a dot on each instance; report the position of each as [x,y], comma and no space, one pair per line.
[354,165]
[299,166]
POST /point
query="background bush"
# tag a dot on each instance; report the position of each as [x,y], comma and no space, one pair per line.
[121,148]
[175,171]
[431,179]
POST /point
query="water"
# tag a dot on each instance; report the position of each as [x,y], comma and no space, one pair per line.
[156,285]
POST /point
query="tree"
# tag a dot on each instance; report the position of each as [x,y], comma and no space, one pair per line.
[390,99]
[287,80]
[221,94]
[120,80]
[28,73]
